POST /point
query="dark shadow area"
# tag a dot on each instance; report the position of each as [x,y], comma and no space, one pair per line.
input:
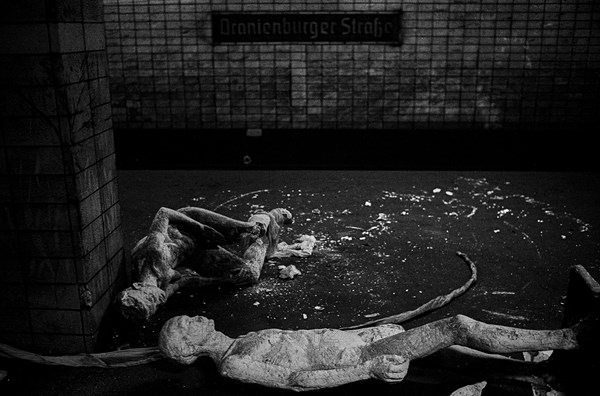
[562,148]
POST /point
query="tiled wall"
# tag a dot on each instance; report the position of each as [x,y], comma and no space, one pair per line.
[466,64]
[60,226]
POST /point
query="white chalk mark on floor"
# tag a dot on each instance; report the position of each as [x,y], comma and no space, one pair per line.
[504,315]
[527,237]
[238,197]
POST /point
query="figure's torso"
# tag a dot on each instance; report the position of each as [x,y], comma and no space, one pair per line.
[301,349]
[180,243]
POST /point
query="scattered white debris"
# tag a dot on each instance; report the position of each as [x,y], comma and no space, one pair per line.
[503,292]
[437,190]
[505,315]
[473,210]
[371,315]
[346,238]
[404,213]
[503,212]
[368,203]
[303,246]
[289,272]
[355,228]
[382,217]
[389,194]
[346,211]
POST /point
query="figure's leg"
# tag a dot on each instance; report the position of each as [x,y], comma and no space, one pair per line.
[257,246]
[576,371]
[376,333]
[462,330]
[457,363]
[228,267]
[232,229]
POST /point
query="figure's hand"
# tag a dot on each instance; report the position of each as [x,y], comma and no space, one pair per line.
[258,230]
[254,231]
[389,368]
[140,302]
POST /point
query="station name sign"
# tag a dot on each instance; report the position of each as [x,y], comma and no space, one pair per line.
[304,27]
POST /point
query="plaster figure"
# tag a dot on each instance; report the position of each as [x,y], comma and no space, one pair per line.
[184,247]
[312,359]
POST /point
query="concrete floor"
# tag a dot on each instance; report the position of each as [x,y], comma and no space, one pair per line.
[386,244]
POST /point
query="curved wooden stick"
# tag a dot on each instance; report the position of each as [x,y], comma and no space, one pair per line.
[431,305]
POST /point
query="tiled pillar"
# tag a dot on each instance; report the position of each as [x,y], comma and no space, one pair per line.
[60,234]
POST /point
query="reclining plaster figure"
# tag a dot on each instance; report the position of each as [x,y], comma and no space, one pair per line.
[321,358]
[183,248]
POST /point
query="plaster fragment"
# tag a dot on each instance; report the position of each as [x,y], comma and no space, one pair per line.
[289,272]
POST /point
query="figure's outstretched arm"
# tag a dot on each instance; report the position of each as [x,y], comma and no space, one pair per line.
[319,379]
[232,229]
[388,368]
[246,369]
[166,216]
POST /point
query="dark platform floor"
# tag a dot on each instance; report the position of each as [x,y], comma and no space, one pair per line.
[387,243]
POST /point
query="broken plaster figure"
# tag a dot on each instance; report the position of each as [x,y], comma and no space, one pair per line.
[313,359]
[183,248]
[321,358]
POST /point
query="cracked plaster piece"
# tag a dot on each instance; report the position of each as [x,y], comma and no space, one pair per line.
[289,272]
[470,390]
[183,248]
[321,358]
[303,246]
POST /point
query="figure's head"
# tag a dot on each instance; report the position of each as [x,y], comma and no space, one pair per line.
[184,338]
[139,302]
[282,216]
